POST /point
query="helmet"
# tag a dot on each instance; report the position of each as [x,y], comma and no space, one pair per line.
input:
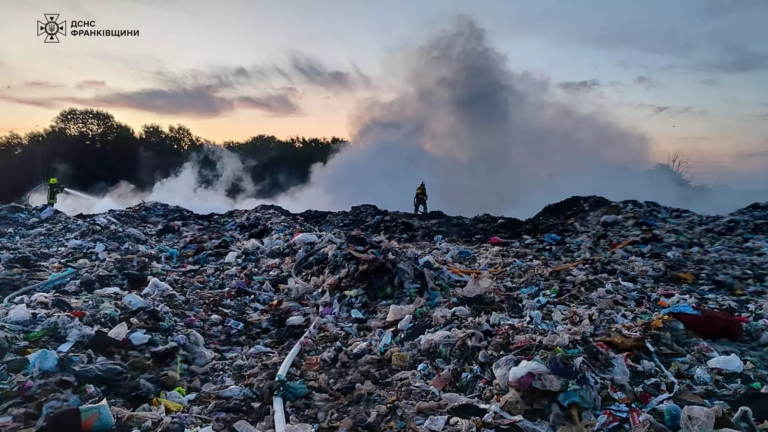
[53,181]
[422,183]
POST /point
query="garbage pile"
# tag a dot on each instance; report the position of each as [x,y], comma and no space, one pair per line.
[593,315]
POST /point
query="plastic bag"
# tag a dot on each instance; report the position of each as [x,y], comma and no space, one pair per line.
[157,288]
[436,423]
[195,346]
[620,372]
[138,338]
[398,312]
[731,363]
[478,285]
[134,302]
[295,321]
[403,325]
[701,376]
[501,370]
[305,238]
[231,258]
[697,419]
[525,367]
[44,360]
[119,332]
[18,315]
[45,214]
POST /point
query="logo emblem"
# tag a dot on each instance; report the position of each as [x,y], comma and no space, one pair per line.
[51,28]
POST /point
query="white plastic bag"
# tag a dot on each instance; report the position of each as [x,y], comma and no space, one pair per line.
[295,321]
[157,288]
[501,370]
[119,332]
[525,367]
[134,302]
[620,372]
[398,312]
[45,214]
[231,258]
[478,285]
[697,419]
[731,363]
[403,325]
[18,315]
[305,238]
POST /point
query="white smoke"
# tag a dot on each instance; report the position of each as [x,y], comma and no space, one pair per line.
[484,138]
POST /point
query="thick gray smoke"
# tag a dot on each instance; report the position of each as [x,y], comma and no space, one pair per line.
[488,140]
[484,138]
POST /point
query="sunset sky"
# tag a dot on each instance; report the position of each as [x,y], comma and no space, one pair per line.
[691,74]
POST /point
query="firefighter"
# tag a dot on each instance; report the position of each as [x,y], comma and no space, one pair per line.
[420,199]
[54,189]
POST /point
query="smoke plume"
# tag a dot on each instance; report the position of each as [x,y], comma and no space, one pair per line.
[484,138]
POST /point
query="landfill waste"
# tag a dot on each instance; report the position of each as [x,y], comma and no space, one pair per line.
[592,315]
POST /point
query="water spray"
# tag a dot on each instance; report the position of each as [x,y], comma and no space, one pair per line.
[66,190]
[80,194]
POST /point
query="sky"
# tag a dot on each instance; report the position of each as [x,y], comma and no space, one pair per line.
[689,75]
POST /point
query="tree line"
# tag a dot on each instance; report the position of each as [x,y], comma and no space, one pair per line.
[90,151]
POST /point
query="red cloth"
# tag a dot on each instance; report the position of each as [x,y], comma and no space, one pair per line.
[712,325]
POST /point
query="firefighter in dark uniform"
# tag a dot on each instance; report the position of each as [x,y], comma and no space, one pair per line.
[54,189]
[420,199]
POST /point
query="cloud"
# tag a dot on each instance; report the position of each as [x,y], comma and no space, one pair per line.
[313,72]
[710,82]
[215,91]
[278,104]
[644,81]
[298,70]
[199,101]
[42,103]
[667,111]
[41,85]
[90,84]
[585,86]
[726,37]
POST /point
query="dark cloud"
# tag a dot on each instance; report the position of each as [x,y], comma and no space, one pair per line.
[90,84]
[710,82]
[579,86]
[278,104]
[644,81]
[212,92]
[667,111]
[313,72]
[198,101]
[299,70]
[43,103]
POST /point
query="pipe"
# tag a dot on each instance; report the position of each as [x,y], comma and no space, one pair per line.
[277,403]
[52,279]
[29,194]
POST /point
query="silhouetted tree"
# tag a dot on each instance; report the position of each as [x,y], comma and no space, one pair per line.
[89,150]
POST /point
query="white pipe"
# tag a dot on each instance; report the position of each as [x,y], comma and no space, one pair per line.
[278,400]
